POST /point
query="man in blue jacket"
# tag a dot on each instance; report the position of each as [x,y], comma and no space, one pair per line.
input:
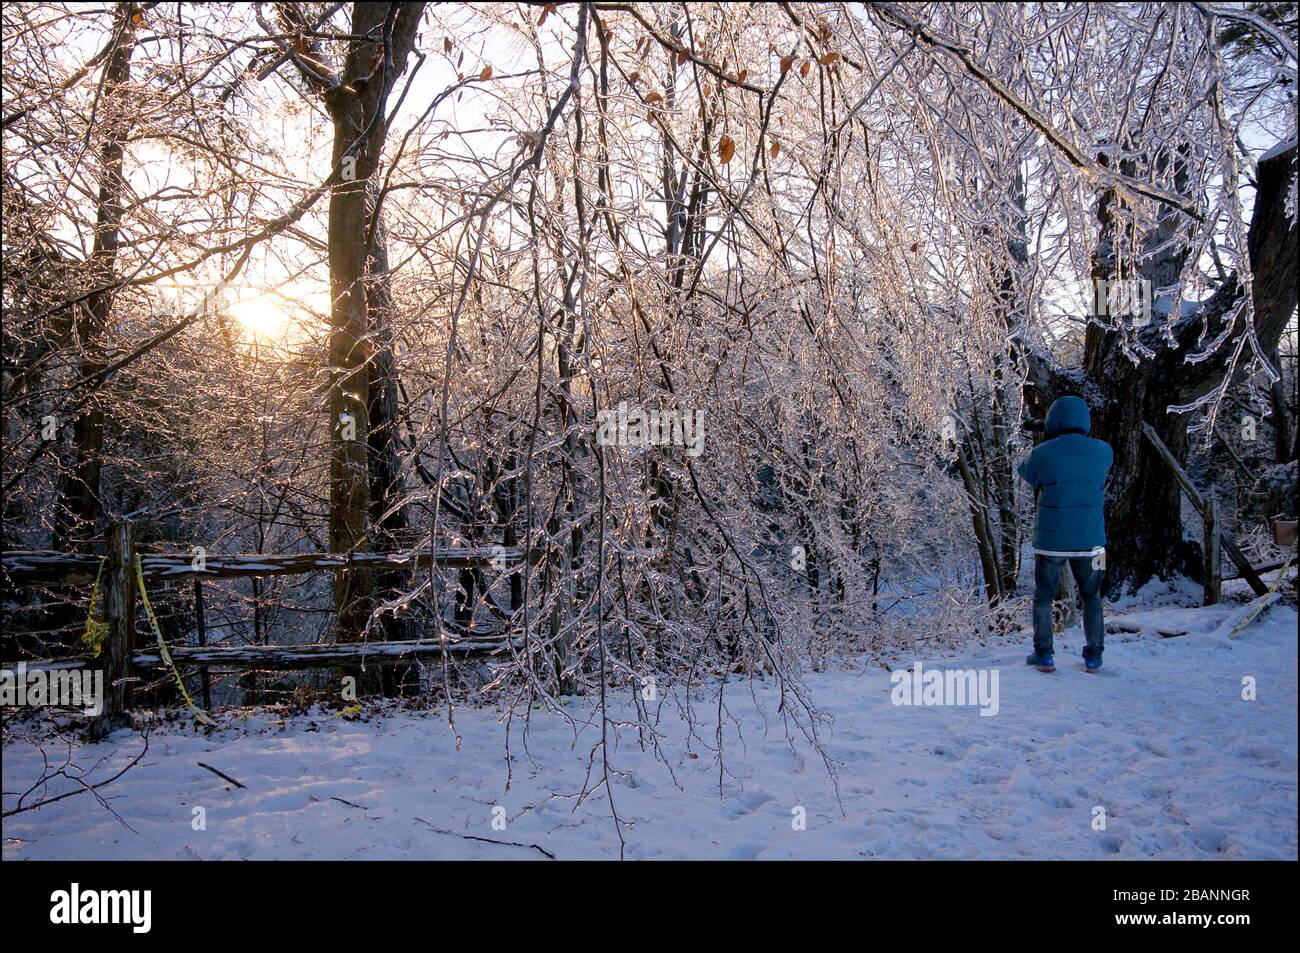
[1068,470]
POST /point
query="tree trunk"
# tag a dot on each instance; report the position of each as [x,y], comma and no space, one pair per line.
[78,504]
[1283,415]
[384,34]
[388,515]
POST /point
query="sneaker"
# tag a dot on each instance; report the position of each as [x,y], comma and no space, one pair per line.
[1092,664]
[1043,662]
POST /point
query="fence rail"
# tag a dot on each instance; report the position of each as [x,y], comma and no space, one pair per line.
[286,657]
[120,657]
[36,567]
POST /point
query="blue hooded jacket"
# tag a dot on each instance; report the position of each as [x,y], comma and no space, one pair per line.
[1070,469]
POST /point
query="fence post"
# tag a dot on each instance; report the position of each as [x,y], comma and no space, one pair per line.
[1212,547]
[1229,545]
[119,614]
[202,626]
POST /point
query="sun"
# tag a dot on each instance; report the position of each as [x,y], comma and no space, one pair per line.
[261,316]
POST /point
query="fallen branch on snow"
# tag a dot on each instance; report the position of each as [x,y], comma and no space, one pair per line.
[486,840]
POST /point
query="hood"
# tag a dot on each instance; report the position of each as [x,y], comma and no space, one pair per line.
[1068,413]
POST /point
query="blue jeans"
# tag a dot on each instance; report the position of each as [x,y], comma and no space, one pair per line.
[1047,574]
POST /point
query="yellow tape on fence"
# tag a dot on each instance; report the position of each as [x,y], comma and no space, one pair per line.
[162,648]
[96,632]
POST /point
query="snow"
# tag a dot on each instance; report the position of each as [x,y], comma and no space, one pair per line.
[1162,740]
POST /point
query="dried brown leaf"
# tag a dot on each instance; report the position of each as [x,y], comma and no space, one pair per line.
[726,149]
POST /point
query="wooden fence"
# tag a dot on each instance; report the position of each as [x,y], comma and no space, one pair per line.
[1216,539]
[120,656]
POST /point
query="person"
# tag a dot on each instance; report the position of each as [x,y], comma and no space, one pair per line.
[1068,471]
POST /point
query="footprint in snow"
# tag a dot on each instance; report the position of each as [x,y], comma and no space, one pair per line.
[740,805]
[1111,844]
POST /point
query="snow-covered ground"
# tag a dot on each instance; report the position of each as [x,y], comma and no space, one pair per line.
[1163,742]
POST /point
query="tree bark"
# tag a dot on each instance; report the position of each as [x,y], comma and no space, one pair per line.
[389,519]
[384,34]
[78,503]
[1283,416]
